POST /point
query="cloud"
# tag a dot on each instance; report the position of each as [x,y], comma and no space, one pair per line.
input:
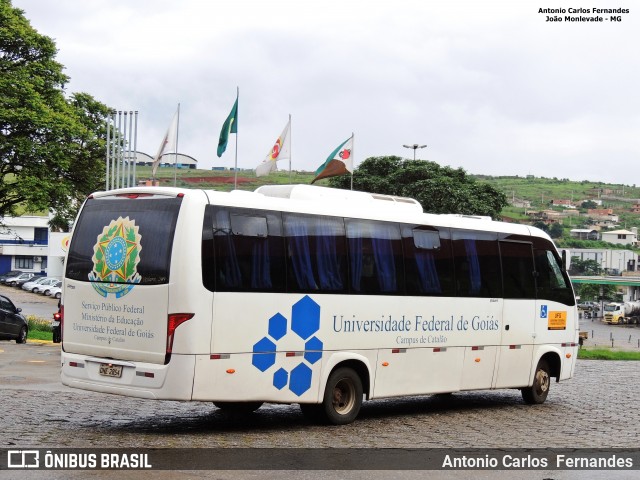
[490,86]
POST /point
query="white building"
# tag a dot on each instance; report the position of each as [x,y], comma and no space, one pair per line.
[621,237]
[612,262]
[24,243]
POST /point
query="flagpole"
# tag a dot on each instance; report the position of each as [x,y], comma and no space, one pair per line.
[235,170]
[353,162]
[290,148]
[175,156]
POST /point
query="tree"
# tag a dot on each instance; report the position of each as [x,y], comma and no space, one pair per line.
[591,291]
[438,189]
[584,267]
[51,147]
[556,230]
[588,204]
[541,225]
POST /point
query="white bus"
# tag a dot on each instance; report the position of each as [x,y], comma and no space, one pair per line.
[309,295]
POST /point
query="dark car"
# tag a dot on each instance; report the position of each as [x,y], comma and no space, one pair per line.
[12,273]
[13,325]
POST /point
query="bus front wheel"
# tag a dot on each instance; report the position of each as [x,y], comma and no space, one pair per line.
[537,393]
[342,397]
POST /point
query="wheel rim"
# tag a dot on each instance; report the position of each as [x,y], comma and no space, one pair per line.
[23,335]
[542,382]
[344,397]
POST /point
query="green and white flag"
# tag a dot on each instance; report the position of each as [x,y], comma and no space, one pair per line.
[339,162]
[230,126]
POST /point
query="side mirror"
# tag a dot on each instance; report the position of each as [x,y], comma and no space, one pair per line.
[18,309]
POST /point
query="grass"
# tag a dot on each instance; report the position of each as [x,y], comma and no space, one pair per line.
[607,354]
[39,329]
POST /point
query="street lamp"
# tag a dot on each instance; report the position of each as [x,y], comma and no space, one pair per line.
[415,147]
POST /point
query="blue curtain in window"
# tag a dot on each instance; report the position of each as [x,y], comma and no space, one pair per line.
[329,275]
[475,280]
[429,281]
[228,269]
[385,264]
[355,249]
[260,264]
[300,253]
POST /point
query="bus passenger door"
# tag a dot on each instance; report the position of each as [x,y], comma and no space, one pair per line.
[519,313]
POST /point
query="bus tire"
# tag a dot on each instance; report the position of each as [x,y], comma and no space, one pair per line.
[238,407]
[537,393]
[342,397]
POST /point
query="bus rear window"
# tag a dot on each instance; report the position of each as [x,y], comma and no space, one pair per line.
[121,240]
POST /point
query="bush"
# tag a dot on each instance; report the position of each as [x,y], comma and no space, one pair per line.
[38,324]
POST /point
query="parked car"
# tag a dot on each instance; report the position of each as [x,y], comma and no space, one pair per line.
[19,279]
[12,273]
[46,289]
[34,282]
[45,286]
[590,306]
[55,291]
[22,281]
[13,325]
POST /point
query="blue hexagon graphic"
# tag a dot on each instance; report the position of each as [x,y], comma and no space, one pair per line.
[313,356]
[277,326]
[305,317]
[264,354]
[280,378]
[300,379]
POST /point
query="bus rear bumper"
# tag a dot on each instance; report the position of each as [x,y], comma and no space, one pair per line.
[137,379]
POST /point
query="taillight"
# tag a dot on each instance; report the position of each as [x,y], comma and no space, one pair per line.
[61,315]
[174,321]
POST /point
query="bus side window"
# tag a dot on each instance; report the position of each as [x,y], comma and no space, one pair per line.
[552,282]
[248,250]
[517,270]
[477,264]
[428,261]
[375,257]
[316,253]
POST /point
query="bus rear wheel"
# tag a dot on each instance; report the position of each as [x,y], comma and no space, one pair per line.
[537,393]
[342,397]
[238,407]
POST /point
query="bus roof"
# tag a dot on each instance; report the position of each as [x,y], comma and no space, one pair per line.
[334,202]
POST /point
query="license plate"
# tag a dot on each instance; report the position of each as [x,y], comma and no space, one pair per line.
[110,370]
[55,324]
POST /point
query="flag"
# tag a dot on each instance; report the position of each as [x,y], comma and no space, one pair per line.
[169,143]
[339,162]
[229,126]
[281,151]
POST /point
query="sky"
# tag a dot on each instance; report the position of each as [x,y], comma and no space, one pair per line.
[489,86]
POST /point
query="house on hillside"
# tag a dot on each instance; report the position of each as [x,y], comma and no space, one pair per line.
[562,203]
[635,208]
[584,234]
[621,237]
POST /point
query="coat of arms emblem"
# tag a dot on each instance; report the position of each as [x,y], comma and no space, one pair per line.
[116,255]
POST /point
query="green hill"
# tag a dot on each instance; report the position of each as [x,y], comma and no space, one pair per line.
[536,192]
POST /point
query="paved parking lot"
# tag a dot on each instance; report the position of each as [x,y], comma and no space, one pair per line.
[31,303]
[596,408]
